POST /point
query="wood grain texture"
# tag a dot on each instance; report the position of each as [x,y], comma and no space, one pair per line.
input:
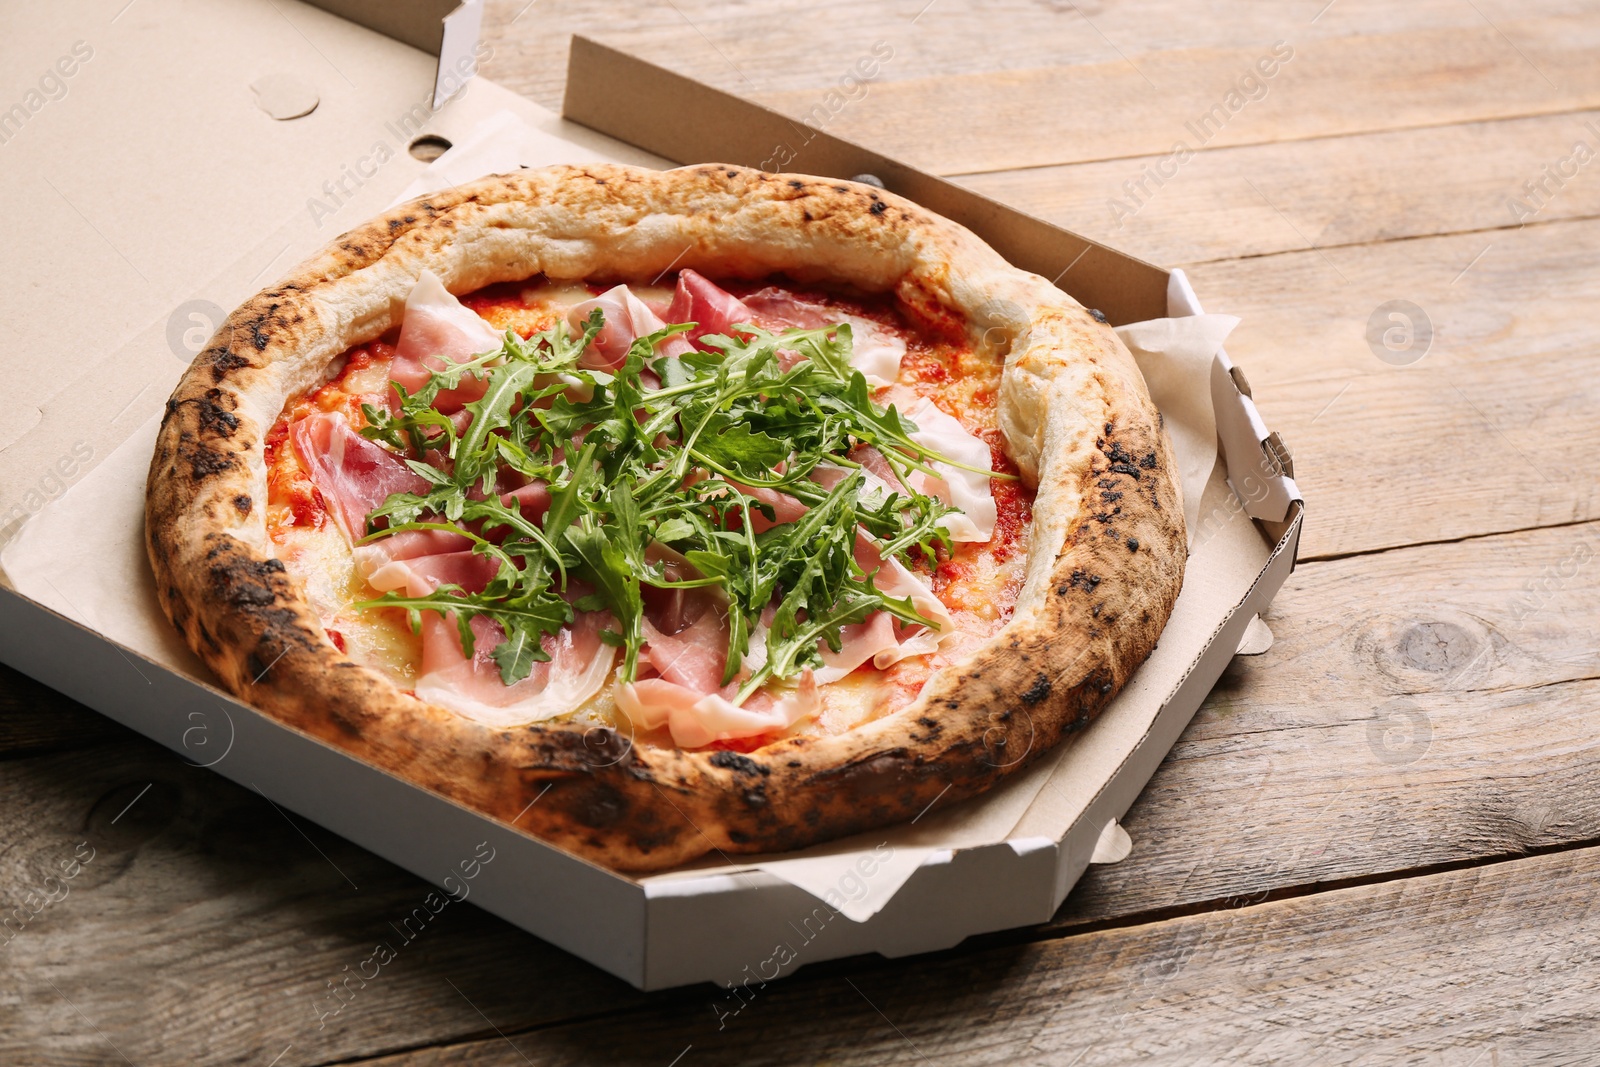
[1147,105]
[1260,199]
[1491,429]
[1492,965]
[1422,706]
[1418,707]
[207,926]
[771,47]
[35,718]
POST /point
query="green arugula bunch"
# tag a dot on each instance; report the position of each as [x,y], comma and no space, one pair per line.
[646,470]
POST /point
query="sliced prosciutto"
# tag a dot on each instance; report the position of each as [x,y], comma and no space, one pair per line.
[579,663]
[875,351]
[970,491]
[439,330]
[897,580]
[711,308]
[579,667]
[881,639]
[627,318]
[694,720]
[421,575]
[354,475]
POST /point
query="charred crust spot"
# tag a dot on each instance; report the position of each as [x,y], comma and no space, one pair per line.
[1121,460]
[224,362]
[1148,461]
[256,666]
[738,763]
[841,188]
[1110,496]
[1084,580]
[1133,544]
[242,503]
[1038,691]
[205,636]
[878,207]
[807,215]
[733,174]
[598,807]
[756,795]
[934,730]
[796,183]
[205,462]
[1098,315]
[214,418]
[872,774]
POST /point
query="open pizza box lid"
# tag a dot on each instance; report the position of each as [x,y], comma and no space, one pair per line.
[156,203]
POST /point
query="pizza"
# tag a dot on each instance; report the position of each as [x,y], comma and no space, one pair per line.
[663,513]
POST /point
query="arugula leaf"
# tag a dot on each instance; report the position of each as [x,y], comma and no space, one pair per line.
[606,564]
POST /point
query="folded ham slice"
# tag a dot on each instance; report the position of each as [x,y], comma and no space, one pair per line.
[711,308]
[421,575]
[580,664]
[439,330]
[875,351]
[695,720]
[969,491]
[353,474]
[627,319]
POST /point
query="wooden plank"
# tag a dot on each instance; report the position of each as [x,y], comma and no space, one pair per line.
[972,123]
[1259,199]
[1282,781]
[1418,707]
[1492,429]
[1492,965]
[35,718]
[207,927]
[775,46]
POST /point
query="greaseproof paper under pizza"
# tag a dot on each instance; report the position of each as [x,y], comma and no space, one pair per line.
[664,512]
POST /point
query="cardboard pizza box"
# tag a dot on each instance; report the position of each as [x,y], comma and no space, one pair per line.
[222,182]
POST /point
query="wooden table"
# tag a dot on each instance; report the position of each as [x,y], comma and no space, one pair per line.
[1376,843]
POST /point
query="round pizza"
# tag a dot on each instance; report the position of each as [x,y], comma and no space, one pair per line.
[660,513]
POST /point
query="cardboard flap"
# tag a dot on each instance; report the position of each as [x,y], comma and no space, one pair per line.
[445,28]
[418,23]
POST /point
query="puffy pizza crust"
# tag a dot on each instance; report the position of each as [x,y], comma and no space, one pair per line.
[1107,546]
